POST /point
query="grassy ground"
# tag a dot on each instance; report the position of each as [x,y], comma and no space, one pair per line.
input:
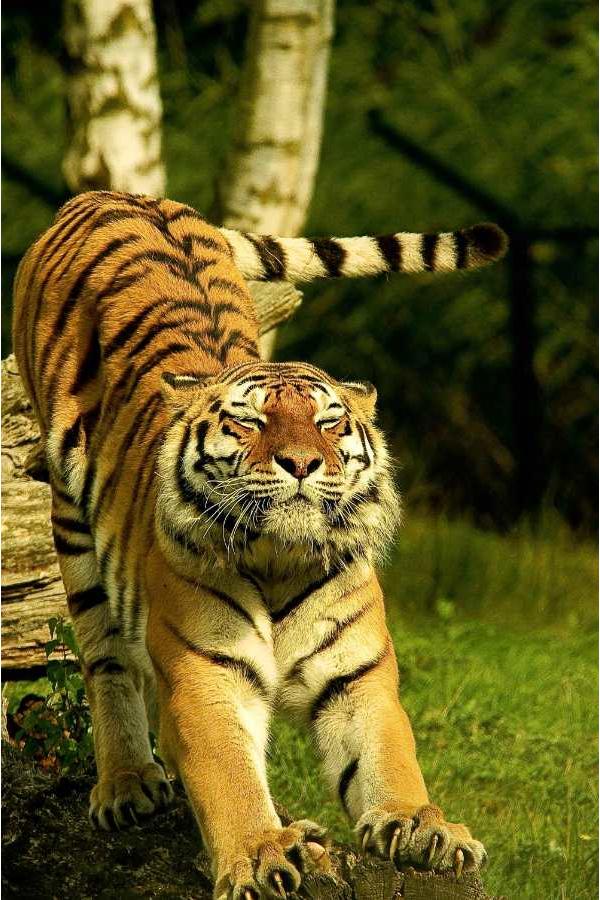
[500,680]
[496,639]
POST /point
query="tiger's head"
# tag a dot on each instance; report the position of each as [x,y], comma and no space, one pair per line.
[278,451]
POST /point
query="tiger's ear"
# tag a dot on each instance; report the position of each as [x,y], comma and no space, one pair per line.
[364,395]
[179,390]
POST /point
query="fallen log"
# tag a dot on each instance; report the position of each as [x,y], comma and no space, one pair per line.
[32,590]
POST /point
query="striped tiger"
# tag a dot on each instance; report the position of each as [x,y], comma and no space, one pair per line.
[217,520]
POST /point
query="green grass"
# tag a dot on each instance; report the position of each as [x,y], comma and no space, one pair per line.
[500,682]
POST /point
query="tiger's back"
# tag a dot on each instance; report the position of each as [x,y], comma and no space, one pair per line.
[113,289]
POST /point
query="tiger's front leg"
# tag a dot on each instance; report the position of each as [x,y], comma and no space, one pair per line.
[350,688]
[131,785]
[216,678]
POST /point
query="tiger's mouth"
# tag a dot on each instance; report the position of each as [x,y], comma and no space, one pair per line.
[296,519]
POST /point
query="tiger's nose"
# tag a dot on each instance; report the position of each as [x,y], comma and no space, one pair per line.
[298,463]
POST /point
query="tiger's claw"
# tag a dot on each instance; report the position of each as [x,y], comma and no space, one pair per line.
[365,840]
[432,848]
[459,860]
[315,851]
[424,839]
[280,889]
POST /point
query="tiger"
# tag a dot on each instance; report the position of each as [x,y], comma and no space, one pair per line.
[218,519]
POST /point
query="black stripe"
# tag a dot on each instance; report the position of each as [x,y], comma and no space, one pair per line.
[86,490]
[80,281]
[221,659]
[363,440]
[106,665]
[120,280]
[337,686]
[138,500]
[67,548]
[184,212]
[272,256]
[331,254]
[236,339]
[71,524]
[121,283]
[181,539]
[89,365]
[252,379]
[187,492]
[391,250]
[105,558]
[191,305]
[62,494]
[225,284]
[224,598]
[70,438]
[82,601]
[37,303]
[207,243]
[461,246]
[132,438]
[153,361]
[345,779]
[295,602]
[332,637]
[128,330]
[428,247]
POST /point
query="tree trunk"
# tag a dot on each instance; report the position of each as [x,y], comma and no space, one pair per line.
[113,97]
[269,177]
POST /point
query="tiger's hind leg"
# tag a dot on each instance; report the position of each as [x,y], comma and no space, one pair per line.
[130,784]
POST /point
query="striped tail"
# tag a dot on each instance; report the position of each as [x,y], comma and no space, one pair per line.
[264,258]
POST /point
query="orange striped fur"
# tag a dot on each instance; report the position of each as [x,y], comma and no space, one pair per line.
[217,520]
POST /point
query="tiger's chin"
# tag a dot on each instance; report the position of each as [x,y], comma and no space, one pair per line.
[295,521]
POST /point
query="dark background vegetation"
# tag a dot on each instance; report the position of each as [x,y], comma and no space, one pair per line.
[487,381]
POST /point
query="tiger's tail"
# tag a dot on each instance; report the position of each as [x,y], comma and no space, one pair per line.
[265,258]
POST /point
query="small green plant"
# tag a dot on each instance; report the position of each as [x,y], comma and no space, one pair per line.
[56,729]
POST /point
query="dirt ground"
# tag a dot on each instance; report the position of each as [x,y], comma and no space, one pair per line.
[49,852]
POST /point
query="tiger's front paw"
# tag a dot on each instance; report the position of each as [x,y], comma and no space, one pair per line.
[125,797]
[423,839]
[274,862]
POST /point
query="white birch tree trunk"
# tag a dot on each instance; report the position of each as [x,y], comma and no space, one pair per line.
[270,172]
[113,97]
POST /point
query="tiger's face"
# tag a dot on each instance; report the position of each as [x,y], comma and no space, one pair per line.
[279,450]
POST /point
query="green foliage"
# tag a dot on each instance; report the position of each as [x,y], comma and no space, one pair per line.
[57,730]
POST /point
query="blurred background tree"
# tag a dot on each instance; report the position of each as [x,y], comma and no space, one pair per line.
[504,97]
[113,98]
